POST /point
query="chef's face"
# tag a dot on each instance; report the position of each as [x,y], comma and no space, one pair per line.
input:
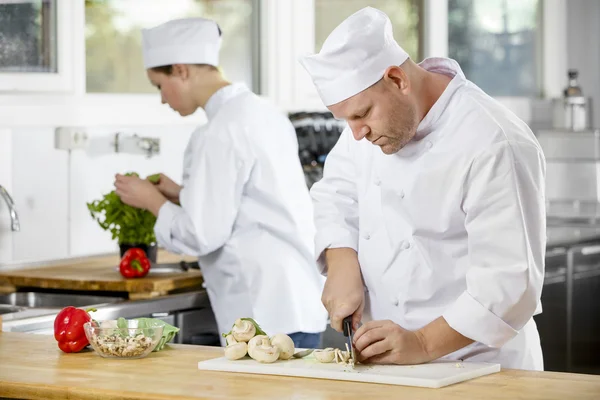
[175,87]
[385,113]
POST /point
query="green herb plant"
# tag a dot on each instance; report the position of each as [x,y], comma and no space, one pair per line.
[127,224]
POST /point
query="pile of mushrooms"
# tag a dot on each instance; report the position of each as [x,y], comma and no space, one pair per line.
[243,339]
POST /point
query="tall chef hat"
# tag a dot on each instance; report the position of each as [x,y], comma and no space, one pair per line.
[354,56]
[182,41]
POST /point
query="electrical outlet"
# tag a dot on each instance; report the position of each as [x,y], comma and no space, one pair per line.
[71,138]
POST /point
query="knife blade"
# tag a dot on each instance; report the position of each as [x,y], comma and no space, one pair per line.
[350,338]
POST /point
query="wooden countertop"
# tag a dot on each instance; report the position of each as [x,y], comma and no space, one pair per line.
[99,273]
[32,367]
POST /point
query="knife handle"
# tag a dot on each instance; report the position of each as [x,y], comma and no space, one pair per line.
[347,324]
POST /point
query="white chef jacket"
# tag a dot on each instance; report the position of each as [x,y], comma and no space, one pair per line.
[452,225]
[246,213]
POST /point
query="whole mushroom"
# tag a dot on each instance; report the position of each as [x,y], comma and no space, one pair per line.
[234,349]
[264,351]
[243,330]
[255,341]
[285,345]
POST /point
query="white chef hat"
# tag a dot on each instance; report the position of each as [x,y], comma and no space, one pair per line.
[354,56]
[182,41]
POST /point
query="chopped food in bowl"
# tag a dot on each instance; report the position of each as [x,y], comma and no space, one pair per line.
[123,340]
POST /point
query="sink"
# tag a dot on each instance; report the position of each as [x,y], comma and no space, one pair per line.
[9,309]
[52,300]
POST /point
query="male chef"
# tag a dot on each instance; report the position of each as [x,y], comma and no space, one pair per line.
[430,215]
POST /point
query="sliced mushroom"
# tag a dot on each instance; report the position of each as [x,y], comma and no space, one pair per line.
[243,330]
[285,345]
[264,352]
[341,357]
[325,356]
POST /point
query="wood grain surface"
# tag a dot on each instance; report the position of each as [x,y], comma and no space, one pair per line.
[32,367]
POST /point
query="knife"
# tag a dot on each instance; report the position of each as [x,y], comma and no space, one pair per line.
[350,338]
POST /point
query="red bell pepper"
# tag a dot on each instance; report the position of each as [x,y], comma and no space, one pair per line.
[134,264]
[68,329]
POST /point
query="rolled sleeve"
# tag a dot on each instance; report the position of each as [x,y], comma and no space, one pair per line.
[469,318]
[506,227]
[333,238]
[174,230]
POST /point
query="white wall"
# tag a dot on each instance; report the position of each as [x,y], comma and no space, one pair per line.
[39,191]
[6,236]
[50,187]
[583,19]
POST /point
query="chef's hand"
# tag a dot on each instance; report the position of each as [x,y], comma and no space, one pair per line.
[343,294]
[139,193]
[385,342]
[168,188]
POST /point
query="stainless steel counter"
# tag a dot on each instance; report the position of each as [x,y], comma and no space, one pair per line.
[189,311]
[567,235]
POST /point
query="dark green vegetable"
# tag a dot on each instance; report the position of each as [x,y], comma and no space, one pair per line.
[129,225]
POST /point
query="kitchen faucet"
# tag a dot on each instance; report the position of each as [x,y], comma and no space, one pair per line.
[14,218]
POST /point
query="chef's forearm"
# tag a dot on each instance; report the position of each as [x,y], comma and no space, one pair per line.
[341,259]
[439,339]
[155,203]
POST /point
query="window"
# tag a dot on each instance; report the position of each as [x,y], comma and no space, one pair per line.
[28,36]
[496,44]
[114,59]
[404,15]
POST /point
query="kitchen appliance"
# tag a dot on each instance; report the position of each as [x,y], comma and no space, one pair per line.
[436,374]
[317,133]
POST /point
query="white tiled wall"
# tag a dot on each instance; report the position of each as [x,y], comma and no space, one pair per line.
[39,173]
[6,236]
[50,187]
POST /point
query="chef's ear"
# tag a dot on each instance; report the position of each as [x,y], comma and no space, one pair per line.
[397,77]
[181,71]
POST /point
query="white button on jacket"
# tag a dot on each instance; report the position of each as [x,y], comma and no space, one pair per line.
[247,214]
[457,227]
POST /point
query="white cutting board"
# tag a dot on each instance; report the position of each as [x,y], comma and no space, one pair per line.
[432,375]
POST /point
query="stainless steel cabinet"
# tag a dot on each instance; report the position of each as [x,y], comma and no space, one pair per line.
[552,322]
[569,325]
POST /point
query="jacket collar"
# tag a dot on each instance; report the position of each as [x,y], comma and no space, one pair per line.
[222,96]
[447,67]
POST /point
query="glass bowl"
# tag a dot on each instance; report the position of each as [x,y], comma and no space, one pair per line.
[131,342]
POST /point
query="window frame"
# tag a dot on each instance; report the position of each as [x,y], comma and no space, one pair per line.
[434,43]
[61,81]
[284,33]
